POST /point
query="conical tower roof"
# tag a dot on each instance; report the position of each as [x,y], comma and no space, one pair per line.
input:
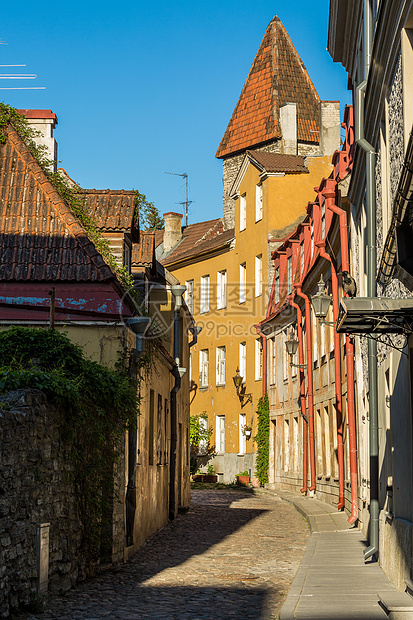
[277,76]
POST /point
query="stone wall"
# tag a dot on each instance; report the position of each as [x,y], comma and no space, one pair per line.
[36,486]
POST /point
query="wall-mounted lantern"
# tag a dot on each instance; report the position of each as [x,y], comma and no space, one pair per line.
[291,346]
[321,303]
[242,395]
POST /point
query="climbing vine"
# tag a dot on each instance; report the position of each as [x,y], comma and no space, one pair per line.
[99,404]
[262,439]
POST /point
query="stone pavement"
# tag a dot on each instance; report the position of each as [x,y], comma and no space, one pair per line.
[333,582]
[234,555]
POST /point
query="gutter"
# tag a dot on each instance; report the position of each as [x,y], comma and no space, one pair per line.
[371,281]
[337,376]
[302,389]
[351,412]
[310,386]
[174,417]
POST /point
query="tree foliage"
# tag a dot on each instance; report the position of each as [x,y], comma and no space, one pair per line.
[149,218]
[262,438]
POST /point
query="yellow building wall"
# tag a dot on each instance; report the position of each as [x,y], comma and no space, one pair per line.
[284,201]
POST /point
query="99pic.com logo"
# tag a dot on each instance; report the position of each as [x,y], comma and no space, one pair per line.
[153,300]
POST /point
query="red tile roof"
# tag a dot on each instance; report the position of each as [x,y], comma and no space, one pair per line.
[40,237]
[38,114]
[197,239]
[277,162]
[277,76]
[113,210]
[143,253]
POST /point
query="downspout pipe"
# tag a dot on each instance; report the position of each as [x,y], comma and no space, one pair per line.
[371,282]
[174,415]
[337,377]
[310,384]
[351,409]
[302,390]
[264,358]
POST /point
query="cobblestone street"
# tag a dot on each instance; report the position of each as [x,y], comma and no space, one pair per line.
[233,555]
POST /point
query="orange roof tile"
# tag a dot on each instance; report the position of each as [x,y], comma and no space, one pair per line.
[113,210]
[40,237]
[277,76]
[143,253]
[198,238]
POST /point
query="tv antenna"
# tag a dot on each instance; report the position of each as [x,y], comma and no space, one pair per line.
[186,202]
[18,76]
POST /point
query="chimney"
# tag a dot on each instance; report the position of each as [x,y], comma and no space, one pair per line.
[173,230]
[44,121]
[288,122]
[329,127]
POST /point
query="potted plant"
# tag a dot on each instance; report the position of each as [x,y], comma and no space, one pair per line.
[247,430]
[243,478]
[210,476]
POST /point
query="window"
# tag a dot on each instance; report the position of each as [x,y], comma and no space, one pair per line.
[302,258]
[242,283]
[220,365]
[286,357]
[151,430]
[243,360]
[222,289]
[323,220]
[258,359]
[258,275]
[273,361]
[277,286]
[220,433]
[243,212]
[203,444]
[127,257]
[289,273]
[242,438]
[204,294]
[203,368]
[258,202]
[189,295]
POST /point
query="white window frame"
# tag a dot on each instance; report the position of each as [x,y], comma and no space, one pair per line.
[273,361]
[203,444]
[286,357]
[220,434]
[258,275]
[189,295]
[258,202]
[289,273]
[243,361]
[203,368]
[243,212]
[277,286]
[204,294]
[301,258]
[258,359]
[220,359]
[242,283]
[221,289]
[242,421]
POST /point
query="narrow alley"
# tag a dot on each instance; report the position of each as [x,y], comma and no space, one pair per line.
[234,555]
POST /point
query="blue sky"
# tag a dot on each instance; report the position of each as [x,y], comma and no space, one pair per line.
[142,89]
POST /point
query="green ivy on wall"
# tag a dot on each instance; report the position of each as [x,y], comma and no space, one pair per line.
[99,404]
[263,439]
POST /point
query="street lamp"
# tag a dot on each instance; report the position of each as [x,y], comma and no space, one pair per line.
[321,303]
[291,346]
[238,383]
